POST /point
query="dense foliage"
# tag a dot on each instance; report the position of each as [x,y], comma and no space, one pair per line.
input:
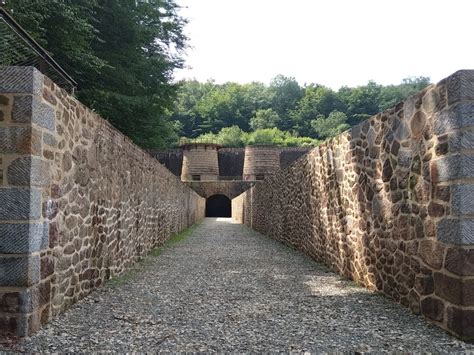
[121,52]
[282,113]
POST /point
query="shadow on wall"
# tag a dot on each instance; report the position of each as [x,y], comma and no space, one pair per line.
[386,203]
[218,206]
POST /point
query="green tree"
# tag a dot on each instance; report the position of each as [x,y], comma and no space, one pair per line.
[392,94]
[331,126]
[317,100]
[285,93]
[65,28]
[264,118]
[232,137]
[121,52]
[362,101]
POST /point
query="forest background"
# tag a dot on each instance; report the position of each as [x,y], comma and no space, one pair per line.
[123,54]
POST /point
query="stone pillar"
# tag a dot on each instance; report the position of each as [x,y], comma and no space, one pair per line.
[453,180]
[24,179]
[260,162]
[200,162]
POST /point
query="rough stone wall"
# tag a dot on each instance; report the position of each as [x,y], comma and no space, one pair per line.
[172,159]
[79,202]
[289,155]
[261,160]
[389,203]
[200,159]
[231,161]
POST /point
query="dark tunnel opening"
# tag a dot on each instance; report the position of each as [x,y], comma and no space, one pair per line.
[218,206]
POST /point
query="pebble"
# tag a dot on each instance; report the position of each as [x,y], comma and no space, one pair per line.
[228,288]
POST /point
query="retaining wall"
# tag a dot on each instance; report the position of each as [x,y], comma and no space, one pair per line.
[79,202]
[389,203]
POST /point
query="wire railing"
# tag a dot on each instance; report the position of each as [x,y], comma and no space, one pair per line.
[18,48]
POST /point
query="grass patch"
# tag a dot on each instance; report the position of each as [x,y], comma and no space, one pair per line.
[127,275]
[175,239]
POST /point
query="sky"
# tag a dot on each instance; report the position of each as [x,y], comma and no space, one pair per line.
[330,42]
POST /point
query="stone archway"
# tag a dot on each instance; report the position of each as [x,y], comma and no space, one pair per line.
[218,206]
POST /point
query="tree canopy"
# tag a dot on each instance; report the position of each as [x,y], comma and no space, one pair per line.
[283,112]
[122,53]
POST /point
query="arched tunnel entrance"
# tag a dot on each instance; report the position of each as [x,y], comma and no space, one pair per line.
[218,206]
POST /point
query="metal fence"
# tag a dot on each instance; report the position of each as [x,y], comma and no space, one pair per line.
[18,48]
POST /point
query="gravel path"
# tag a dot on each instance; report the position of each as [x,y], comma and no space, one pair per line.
[227,288]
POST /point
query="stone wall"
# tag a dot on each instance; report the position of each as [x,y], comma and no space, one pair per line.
[171,158]
[231,162]
[389,204]
[79,203]
[289,155]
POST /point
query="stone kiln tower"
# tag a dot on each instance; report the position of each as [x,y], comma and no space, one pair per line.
[261,161]
[200,162]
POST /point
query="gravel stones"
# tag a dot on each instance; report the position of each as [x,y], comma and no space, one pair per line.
[228,288]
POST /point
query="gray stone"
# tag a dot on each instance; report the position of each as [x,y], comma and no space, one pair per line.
[456,231]
[456,117]
[405,157]
[409,107]
[460,86]
[15,139]
[21,80]
[463,199]
[20,204]
[28,171]
[29,301]
[402,132]
[19,271]
[461,140]
[23,238]
[453,167]
[371,136]
[50,140]
[31,109]
[355,131]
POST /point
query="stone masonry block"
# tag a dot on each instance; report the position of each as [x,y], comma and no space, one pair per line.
[19,271]
[463,199]
[23,238]
[15,140]
[462,140]
[453,167]
[456,231]
[21,80]
[20,204]
[461,321]
[456,117]
[27,171]
[31,109]
[24,301]
[460,86]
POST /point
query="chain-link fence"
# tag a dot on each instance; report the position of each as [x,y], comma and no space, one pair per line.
[18,48]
